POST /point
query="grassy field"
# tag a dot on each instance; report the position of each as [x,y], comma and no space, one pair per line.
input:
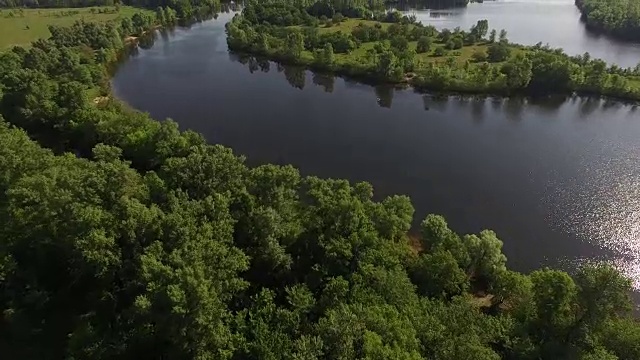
[347,25]
[21,26]
[359,54]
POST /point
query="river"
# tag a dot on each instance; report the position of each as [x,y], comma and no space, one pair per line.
[557,179]
[556,22]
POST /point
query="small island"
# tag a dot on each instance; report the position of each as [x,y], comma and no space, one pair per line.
[387,47]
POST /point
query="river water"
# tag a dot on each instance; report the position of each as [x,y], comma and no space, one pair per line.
[556,22]
[557,179]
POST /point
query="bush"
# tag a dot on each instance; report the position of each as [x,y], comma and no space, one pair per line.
[424,44]
[337,18]
[479,56]
[498,52]
[440,51]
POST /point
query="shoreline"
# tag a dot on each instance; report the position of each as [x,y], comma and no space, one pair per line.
[409,82]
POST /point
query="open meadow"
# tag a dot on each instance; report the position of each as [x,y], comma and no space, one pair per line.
[21,26]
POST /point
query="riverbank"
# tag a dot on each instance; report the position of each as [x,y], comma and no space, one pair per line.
[474,61]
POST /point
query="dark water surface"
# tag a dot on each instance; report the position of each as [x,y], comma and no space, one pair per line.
[556,22]
[559,180]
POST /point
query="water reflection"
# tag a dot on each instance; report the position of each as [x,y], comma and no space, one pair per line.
[325,81]
[514,107]
[296,76]
[384,94]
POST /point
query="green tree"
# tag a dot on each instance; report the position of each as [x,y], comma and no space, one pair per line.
[503,36]
[492,36]
[325,57]
[439,51]
[498,52]
[437,235]
[479,56]
[424,44]
[517,71]
[480,29]
[438,275]
[294,44]
[487,262]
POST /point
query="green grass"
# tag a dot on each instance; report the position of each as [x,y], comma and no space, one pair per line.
[27,25]
[347,25]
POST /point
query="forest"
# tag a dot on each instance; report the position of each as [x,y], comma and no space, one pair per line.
[620,18]
[124,237]
[385,46]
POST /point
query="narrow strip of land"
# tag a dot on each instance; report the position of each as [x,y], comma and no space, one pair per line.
[389,47]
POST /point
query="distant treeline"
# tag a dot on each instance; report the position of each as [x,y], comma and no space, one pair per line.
[620,18]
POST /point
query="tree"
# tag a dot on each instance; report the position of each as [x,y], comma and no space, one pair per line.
[337,18]
[503,36]
[437,275]
[517,71]
[492,36]
[554,296]
[399,43]
[294,44]
[498,52]
[480,29]
[160,16]
[386,62]
[603,293]
[325,57]
[487,262]
[127,26]
[479,56]
[436,235]
[424,44]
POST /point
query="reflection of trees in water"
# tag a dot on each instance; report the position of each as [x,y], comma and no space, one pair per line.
[588,105]
[253,63]
[237,57]
[549,104]
[609,104]
[324,81]
[295,76]
[384,94]
[166,33]
[147,40]
[478,108]
[435,102]
[514,107]
[265,65]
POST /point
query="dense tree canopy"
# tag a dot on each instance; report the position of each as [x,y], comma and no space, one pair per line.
[620,18]
[123,237]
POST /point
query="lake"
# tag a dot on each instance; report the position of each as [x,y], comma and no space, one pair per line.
[558,179]
[556,22]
